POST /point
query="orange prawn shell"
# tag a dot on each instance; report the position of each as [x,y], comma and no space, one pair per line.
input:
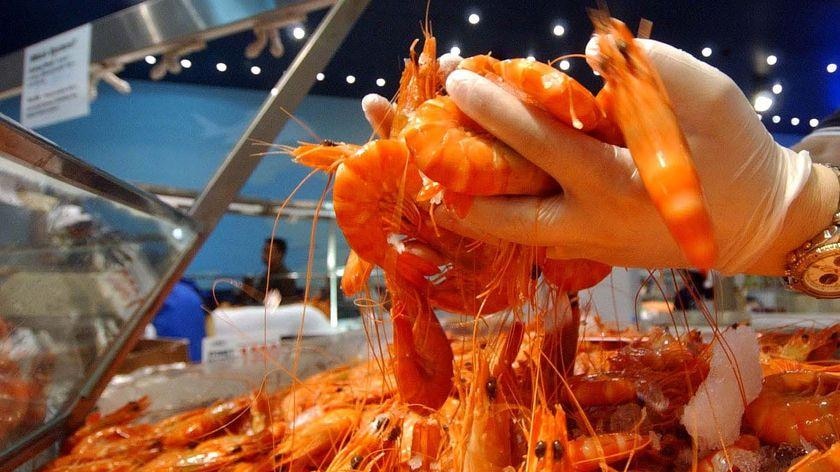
[797,406]
[365,182]
[636,99]
[440,137]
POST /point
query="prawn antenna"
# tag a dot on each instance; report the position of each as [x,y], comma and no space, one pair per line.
[566,56]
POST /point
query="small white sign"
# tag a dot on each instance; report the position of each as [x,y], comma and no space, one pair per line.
[55,79]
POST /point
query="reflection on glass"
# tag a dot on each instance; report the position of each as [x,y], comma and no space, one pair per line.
[75,267]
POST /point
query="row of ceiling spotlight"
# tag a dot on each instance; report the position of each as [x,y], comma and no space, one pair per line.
[559,30]
[794,121]
[256,70]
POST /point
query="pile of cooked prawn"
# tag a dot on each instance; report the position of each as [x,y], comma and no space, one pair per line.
[625,407]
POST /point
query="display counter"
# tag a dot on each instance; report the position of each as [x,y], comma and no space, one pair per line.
[84,261]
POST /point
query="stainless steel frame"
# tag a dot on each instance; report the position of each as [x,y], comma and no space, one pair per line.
[275,112]
[158,26]
[185,199]
[238,166]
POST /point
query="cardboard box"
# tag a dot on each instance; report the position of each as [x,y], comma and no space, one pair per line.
[149,352]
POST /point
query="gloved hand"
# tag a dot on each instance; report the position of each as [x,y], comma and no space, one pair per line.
[764,199]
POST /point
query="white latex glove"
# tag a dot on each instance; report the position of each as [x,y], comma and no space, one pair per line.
[764,199]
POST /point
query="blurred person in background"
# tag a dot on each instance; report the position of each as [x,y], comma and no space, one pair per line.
[275,277]
[182,316]
[87,245]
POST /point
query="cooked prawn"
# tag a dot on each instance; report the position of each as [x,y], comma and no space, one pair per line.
[312,444]
[202,423]
[483,435]
[455,152]
[550,448]
[422,355]
[212,454]
[637,102]
[542,85]
[96,421]
[797,407]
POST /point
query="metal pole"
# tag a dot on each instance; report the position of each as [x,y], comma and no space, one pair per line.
[331,260]
[291,89]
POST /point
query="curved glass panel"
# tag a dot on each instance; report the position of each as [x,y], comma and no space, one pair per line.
[82,257]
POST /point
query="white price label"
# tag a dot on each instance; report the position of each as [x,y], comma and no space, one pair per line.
[55,79]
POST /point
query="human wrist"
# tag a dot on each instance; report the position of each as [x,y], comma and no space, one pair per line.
[810,212]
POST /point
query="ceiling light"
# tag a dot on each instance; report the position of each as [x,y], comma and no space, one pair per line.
[151,59]
[558,30]
[777,88]
[706,52]
[794,121]
[565,65]
[776,118]
[772,60]
[221,67]
[274,91]
[298,32]
[814,122]
[762,101]
[186,63]
[831,68]
[380,82]
[531,58]
[256,70]
[319,76]
[455,51]
[473,19]
[350,79]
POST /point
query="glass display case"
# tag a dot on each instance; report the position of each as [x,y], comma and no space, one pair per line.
[84,262]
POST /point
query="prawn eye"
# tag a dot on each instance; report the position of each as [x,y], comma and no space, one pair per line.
[394,434]
[557,449]
[355,461]
[490,387]
[539,449]
[381,423]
